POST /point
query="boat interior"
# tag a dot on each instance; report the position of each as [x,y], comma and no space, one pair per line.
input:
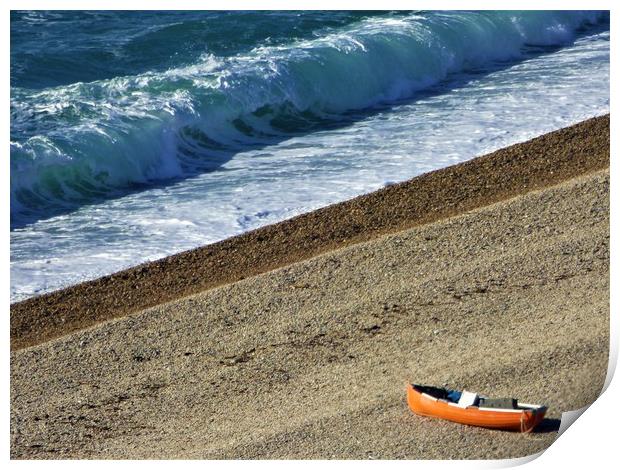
[464,399]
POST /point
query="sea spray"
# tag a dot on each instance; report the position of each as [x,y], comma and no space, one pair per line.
[77,143]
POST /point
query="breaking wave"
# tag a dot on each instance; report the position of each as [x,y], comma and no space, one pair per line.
[75,143]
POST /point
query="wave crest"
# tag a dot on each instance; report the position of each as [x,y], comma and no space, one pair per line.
[76,143]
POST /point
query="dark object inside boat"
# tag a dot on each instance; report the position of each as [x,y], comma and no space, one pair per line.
[437,392]
[454,396]
[504,403]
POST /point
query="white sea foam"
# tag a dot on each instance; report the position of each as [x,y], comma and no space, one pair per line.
[111,134]
[468,115]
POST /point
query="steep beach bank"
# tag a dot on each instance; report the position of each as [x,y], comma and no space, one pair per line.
[491,275]
[503,174]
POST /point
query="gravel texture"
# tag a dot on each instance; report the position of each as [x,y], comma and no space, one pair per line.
[546,160]
[311,360]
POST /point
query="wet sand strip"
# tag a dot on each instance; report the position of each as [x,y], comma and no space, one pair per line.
[518,169]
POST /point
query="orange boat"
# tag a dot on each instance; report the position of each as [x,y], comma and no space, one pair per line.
[469,408]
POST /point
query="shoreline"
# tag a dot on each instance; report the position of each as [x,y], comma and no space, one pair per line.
[311,360]
[541,162]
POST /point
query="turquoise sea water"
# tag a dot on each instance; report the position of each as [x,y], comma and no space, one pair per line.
[135,135]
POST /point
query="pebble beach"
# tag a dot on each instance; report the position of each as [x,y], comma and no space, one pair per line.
[296,340]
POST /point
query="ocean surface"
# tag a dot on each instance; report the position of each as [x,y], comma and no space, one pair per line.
[136,135]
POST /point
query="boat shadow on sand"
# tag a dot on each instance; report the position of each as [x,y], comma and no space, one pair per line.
[547,425]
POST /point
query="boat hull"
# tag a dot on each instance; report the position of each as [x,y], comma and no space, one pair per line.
[509,420]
